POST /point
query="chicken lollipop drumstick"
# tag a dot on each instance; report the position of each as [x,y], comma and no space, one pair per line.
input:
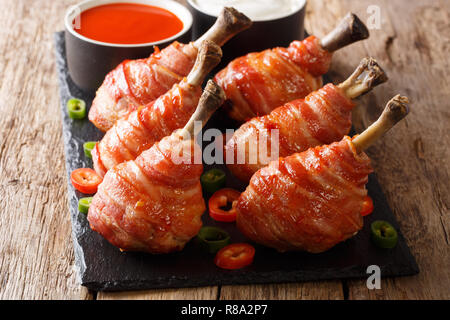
[323,117]
[130,137]
[155,203]
[312,200]
[138,82]
[257,83]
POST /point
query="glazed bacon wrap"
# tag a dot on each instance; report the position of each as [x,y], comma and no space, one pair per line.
[138,82]
[259,82]
[154,203]
[312,200]
[143,127]
[150,204]
[308,201]
[324,116]
[149,124]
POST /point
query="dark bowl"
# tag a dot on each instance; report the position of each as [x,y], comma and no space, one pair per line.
[89,61]
[263,34]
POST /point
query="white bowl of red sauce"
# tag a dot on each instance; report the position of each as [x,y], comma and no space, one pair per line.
[100,34]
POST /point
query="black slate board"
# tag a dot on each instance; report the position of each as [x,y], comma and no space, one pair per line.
[101,266]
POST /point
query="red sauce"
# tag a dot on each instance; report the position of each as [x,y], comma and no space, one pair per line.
[128,23]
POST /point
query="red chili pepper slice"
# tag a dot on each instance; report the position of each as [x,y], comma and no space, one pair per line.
[85,180]
[367,207]
[220,199]
[235,256]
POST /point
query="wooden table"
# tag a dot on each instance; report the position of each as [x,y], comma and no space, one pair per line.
[413,44]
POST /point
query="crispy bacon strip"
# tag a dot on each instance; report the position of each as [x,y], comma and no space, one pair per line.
[129,138]
[154,203]
[142,128]
[308,201]
[259,82]
[324,116]
[138,82]
[312,200]
[150,204]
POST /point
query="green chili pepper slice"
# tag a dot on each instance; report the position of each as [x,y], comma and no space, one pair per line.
[88,146]
[83,204]
[213,180]
[384,234]
[212,239]
[76,108]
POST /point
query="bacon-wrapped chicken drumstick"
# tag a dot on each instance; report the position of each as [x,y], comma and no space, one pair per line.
[323,117]
[129,137]
[312,200]
[155,203]
[257,83]
[138,82]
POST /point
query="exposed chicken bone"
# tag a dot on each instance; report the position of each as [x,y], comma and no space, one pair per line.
[367,75]
[228,24]
[211,99]
[396,109]
[208,57]
[349,30]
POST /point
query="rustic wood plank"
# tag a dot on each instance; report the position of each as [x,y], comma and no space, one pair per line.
[36,256]
[325,290]
[204,293]
[412,167]
[36,261]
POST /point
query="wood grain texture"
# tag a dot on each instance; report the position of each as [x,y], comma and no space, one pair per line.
[204,293]
[324,290]
[412,161]
[36,256]
[413,44]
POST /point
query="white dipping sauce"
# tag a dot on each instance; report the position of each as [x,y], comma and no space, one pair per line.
[256,10]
